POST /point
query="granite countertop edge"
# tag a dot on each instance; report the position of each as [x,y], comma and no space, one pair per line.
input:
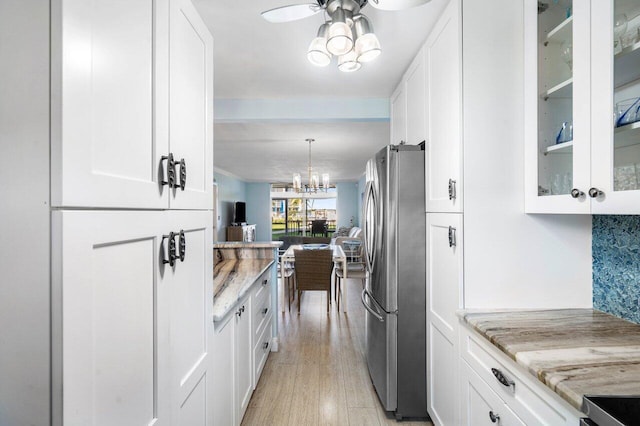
[546,362]
[225,301]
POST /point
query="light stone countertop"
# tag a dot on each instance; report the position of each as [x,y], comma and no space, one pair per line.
[231,281]
[572,351]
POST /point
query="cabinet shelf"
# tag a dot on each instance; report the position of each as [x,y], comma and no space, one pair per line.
[560,148]
[560,33]
[627,65]
[561,90]
[627,135]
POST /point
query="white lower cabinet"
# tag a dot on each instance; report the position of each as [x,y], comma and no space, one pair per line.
[242,342]
[481,406]
[130,333]
[491,381]
[244,367]
[444,298]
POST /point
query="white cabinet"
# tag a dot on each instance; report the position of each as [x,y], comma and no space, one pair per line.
[444,298]
[582,150]
[243,352]
[224,366]
[242,342]
[491,381]
[481,405]
[399,115]
[122,352]
[191,104]
[113,114]
[443,64]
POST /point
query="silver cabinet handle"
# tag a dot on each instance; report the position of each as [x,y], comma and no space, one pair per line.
[452,236]
[494,417]
[452,189]
[265,345]
[264,282]
[264,311]
[576,193]
[595,193]
[363,296]
[503,379]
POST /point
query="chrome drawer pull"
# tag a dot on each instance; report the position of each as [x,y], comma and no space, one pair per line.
[265,282]
[503,379]
[264,311]
[265,345]
[494,417]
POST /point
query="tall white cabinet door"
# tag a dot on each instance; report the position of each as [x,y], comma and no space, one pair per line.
[243,348]
[191,303]
[444,297]
[191,106]
[110,315]
[107,129]
[416,101]
[399,115]
[223,387]
[443,57]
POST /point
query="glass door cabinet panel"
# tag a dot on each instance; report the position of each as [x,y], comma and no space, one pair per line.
[555,108]
[557,96]
[616,107]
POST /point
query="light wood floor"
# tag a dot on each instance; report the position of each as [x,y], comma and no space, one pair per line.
[319,375]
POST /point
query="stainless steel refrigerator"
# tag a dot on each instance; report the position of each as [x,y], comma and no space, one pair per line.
[395,293]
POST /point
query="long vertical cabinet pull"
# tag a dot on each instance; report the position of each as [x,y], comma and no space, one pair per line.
[171,171]
[183,175]
[182,245]
[452,189]
[171,251]
[452,236]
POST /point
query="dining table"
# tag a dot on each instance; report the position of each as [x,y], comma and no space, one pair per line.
[339,259]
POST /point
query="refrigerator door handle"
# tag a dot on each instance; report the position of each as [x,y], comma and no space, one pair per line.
[369,239]
[363,297]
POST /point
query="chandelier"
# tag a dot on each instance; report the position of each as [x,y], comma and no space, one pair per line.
[314,179]
[348,35]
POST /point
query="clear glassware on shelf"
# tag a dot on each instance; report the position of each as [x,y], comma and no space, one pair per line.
[566,53]
[619,28]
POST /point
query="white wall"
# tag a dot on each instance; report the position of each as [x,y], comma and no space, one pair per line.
[24,228]
[511,259]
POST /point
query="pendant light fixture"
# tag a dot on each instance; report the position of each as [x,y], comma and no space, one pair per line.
[348,35]
[313,178]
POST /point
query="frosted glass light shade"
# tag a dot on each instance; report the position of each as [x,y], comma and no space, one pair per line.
[340,40]
[314,182]
[349,62]
[367,47]
[318,54]
[325,180]
[297,182]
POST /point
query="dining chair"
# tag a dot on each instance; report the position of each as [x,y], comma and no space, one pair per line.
[313,272]
[356,268]
[319,227]
[285,273]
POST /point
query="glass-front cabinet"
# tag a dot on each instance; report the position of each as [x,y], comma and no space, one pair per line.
[582,106]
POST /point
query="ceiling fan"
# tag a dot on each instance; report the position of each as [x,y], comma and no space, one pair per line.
[347,34]
[294,12]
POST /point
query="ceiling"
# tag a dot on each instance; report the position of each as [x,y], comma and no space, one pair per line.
[257,60]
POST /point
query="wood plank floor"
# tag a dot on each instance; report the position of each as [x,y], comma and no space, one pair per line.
[319,375]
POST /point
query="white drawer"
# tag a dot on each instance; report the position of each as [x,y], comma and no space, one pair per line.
[261,312]
[532,401]
[482,406]
[262,285]
[261,351]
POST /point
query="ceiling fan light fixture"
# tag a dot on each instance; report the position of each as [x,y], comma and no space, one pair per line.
[340,40]
[318,54]
[349,62]
[367,45]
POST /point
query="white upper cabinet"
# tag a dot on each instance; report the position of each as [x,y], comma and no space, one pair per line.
[399,115]
[190,106]
[415,89]
[443,57]
[111,105]
[582,151]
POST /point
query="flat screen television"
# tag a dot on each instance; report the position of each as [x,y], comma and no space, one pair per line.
[240,213]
